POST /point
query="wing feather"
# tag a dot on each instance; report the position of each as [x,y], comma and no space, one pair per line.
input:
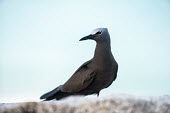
[80,79]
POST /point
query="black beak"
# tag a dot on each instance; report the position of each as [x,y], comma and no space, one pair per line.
[87,37]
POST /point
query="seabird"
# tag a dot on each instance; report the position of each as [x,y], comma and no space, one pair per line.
[92,76]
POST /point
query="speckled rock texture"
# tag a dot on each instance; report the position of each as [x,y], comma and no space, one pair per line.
[114,103]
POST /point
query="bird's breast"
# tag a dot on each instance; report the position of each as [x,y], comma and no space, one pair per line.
[106,73]
[105,66]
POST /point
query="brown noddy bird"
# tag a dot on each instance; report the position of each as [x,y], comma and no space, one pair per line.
[94,75]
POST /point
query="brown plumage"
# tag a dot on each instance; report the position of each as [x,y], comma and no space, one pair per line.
[94,75]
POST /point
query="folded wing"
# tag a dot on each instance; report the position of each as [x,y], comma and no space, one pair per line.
[80,79]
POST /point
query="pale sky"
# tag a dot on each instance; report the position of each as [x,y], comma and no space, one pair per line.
[40,48]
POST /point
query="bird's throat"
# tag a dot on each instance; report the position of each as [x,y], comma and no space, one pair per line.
[102,53]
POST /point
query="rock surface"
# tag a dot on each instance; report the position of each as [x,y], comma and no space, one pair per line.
[115,103]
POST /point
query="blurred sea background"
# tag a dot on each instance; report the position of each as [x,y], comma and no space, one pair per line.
[39,47]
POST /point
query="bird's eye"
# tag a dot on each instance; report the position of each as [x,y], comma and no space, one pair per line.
[99,33]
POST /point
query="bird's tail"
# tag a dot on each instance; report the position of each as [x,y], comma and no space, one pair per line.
[54,94]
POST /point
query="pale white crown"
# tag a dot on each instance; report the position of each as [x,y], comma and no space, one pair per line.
[98,29]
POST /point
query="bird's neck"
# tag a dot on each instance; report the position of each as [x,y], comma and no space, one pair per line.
[101,47]
[103,44]
[102,52]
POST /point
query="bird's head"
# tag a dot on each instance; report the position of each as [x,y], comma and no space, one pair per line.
[99,35]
